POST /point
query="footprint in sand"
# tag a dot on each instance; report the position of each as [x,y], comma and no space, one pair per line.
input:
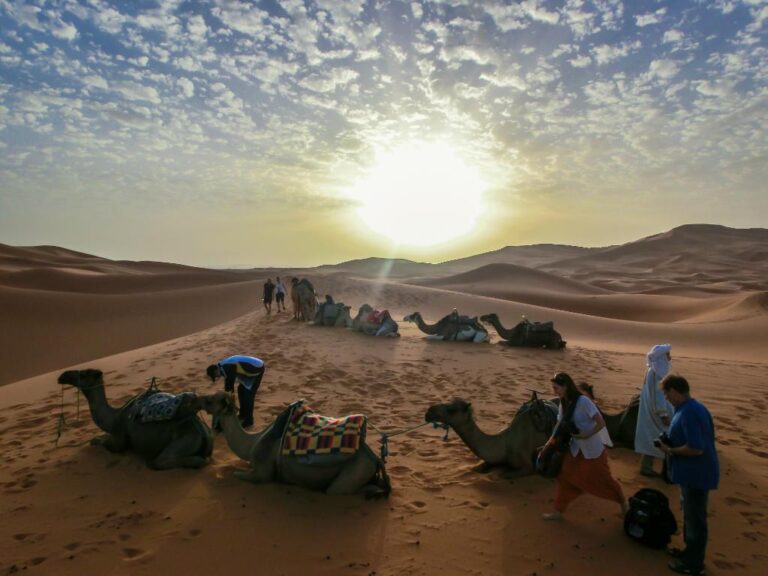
[727,565]
[417,506]
[133,553]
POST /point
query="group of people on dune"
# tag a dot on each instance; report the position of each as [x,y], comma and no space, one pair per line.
[672,427]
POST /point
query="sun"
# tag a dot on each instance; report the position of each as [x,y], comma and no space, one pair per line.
[420,194]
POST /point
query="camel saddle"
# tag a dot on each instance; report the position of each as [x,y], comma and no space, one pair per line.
[154,406]
[321,439]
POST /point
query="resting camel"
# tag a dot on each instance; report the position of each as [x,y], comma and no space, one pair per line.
[184,441]
[331,313]
[514,446]
[526,333]
[374,322]
[451,328]
[303,299]
[361,473]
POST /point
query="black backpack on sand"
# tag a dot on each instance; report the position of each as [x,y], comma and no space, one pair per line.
[649,519]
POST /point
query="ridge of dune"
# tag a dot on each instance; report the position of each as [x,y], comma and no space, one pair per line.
[85,280]
[694,247]
[521,278]
[531,255]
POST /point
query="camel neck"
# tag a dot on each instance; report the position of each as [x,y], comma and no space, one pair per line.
[490,448]
[104,416]
[424,327]
[238,440]
[503,332]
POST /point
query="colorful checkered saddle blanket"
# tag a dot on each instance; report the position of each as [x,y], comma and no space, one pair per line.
[310,434]
[158,406]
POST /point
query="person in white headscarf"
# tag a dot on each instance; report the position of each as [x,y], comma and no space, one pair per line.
[655,413]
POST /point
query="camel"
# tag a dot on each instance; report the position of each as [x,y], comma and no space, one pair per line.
[303,299]
[331,313]
[374,322]
[184,441]
[451,328]
[361,473]
[526,333]
[514,446]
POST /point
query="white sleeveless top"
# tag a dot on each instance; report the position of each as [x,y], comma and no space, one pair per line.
[593,446]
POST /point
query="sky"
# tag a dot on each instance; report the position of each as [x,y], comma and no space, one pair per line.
[296,133]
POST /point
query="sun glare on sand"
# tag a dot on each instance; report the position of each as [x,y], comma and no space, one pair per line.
[420,194]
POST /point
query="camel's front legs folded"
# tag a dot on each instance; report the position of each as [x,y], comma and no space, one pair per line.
[111,443]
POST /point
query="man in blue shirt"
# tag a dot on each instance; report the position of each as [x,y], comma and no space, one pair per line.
[694,466]
[248,371]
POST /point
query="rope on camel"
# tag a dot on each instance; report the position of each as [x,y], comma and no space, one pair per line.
[384,436]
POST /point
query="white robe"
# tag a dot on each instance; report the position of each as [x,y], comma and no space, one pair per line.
[653,405]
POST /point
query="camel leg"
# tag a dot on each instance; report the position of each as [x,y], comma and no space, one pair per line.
[181,453]
[355,475]
[257,474]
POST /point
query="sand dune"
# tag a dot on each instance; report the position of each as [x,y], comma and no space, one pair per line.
[509,277]
[77,509]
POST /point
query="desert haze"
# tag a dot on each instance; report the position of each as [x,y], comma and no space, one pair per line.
[78,509]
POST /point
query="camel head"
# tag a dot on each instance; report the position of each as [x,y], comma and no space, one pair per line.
[84,379]
[412,317]
[364,310]
[457,412]
[218,404]
[489,318]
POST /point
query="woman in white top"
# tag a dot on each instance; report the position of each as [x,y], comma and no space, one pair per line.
[585,466]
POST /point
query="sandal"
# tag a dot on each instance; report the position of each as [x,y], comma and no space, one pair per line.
[676,552]
[682,568]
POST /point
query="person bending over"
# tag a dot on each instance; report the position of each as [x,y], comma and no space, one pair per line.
[248,372]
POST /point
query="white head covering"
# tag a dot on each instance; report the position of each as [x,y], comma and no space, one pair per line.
[657,359]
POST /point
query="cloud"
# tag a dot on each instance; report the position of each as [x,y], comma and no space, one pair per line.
[95,81]
[135,91]
[643,20]
[186,86]
[606,54]
[65,31]
[580,61]
[663,69]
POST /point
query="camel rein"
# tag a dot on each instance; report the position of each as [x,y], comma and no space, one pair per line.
[385,436]
[62,423]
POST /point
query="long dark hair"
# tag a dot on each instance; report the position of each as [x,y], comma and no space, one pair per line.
[572,393]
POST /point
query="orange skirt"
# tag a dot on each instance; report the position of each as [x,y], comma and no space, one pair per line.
[579,475]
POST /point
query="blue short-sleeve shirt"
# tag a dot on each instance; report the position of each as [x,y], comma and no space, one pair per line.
[692,425]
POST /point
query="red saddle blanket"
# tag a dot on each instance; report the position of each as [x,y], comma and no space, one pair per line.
[310,434]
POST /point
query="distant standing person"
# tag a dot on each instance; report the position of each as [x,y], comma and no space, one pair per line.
[280,294]
[655,412]
[269,289]
[248,372]
[695,467]
[585,466]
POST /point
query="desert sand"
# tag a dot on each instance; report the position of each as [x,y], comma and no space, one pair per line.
[77,509]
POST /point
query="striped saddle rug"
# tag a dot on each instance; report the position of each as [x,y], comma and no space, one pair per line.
[312,435]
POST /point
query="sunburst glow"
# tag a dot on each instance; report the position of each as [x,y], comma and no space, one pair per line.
[420,194]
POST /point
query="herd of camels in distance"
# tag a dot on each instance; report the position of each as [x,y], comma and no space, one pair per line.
[183,440]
